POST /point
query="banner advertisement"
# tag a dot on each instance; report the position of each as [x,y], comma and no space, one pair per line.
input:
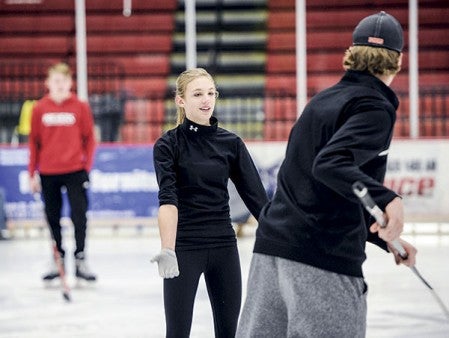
[415,171]
[123,182]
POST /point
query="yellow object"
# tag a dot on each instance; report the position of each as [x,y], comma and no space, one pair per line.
[24,126]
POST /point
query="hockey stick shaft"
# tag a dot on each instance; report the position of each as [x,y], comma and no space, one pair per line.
[59,264]
[64,285]
[361,191]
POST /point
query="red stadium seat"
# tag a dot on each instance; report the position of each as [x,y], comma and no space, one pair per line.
[144,110]
[140,133]
[280,108]
[277,130]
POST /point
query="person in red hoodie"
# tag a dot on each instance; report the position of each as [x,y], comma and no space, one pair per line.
[62,146]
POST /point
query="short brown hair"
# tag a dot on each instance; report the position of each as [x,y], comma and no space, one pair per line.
[377,61]
[61,68]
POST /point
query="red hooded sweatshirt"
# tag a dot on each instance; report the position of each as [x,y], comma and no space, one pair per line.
[62,137]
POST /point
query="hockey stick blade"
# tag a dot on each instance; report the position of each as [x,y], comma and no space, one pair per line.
[361,191]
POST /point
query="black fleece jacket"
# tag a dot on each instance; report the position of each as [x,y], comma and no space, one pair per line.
[193,164]
[342,136]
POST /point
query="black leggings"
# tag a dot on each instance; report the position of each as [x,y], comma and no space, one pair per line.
[76,192]
[221,268]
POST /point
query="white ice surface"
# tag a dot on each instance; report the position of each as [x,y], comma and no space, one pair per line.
[126,301]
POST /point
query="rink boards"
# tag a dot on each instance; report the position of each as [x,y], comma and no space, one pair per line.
[123,182]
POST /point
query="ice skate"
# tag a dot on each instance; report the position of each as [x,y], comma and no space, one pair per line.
[53,271]
[82,271]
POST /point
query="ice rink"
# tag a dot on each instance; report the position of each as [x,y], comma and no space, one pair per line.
[126,301]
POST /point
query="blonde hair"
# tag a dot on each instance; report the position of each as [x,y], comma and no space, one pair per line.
[182,81]
[377,61]
[60,68]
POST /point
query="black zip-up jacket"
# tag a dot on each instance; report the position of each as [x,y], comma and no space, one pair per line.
[342,136]
[193,164]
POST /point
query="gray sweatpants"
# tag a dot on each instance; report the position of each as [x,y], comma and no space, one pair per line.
[290,299]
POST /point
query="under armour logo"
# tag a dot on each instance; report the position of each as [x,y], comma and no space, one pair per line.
[195,129]
[384,153]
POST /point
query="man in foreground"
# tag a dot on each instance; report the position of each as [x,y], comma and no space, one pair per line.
[306,276]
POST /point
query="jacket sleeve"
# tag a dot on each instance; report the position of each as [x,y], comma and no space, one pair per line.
[362,138]
[373,238]
[34,141]
[247,181]
[164,159]
[88,136]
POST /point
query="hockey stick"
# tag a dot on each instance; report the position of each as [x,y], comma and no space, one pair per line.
[361,191]
[58,262]
[64,285]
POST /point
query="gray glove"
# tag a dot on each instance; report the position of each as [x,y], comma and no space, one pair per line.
[167,263]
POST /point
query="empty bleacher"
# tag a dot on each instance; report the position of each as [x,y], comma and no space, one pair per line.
[139,45]
[231,39]
[248,46]
[143,120]
[329,33]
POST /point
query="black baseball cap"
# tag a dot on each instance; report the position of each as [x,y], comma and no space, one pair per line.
[379,30]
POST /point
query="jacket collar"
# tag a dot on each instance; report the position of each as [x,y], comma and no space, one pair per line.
[368,80]
[193,129]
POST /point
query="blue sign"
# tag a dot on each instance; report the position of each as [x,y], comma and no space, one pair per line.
[122,183]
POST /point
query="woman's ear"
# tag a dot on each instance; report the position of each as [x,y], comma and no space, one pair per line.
[179,101]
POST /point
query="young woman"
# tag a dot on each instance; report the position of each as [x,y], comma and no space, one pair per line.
[193,164]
